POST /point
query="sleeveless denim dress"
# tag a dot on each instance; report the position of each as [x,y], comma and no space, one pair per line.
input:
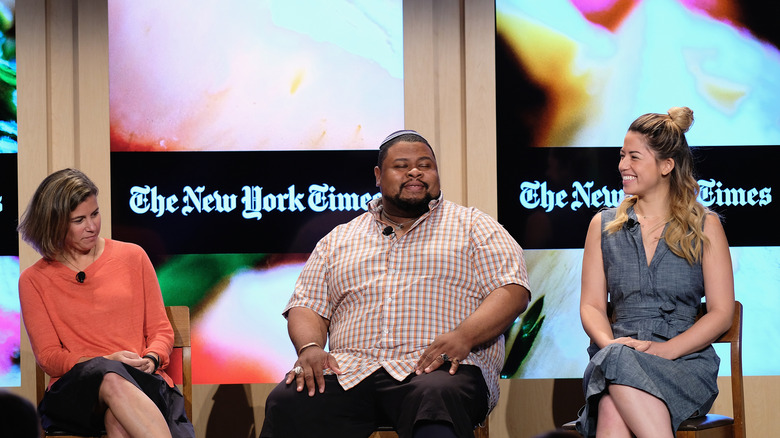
[655,302]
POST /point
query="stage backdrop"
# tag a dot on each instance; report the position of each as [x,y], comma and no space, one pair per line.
[571,77]
[242,131]
[10,322]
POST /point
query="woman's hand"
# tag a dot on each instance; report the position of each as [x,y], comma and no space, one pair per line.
[132,359]
[153,363]
[650,347]
[636,344]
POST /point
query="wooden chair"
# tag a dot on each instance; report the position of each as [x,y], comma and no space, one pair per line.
[719,426]
[388,432]
[180,321]
[713,425]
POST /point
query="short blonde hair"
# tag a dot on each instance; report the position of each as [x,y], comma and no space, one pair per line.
[45,222]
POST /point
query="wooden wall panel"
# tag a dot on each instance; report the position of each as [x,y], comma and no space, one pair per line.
[419,77]
[433,80]
[449,99]
[32,118]
[61,83]
[92,152]
[480,111]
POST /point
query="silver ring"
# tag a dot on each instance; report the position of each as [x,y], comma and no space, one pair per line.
[444,357]
[297,370]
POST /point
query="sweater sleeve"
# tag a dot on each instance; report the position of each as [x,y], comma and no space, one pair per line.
[52,357]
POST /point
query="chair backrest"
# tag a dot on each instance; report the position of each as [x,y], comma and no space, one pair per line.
[179,317]
[180,321]
[733,336]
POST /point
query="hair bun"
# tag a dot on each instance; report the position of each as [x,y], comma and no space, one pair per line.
[682,116]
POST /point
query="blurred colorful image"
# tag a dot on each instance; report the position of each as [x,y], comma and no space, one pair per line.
[8,127]
[10,323]
[584,69]
[239,334]
[256,76]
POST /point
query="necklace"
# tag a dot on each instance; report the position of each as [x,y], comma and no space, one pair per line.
[650,229]
[80,276]
[398,225]
[644,216]
[656,226]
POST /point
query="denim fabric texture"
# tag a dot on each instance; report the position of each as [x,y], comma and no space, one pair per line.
[650,302]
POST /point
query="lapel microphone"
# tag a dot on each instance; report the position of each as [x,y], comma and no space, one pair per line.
[387,231]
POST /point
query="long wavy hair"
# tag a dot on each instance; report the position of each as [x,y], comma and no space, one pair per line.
[665,135]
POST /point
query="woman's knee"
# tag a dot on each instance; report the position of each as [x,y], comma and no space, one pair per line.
[113,386]
[113,427]
[608,412]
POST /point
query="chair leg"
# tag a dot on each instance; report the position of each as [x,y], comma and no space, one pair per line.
[482,431]
[69,436]
[383,435]
[479,432]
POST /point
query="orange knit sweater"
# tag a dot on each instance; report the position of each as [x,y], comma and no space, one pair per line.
[118,307]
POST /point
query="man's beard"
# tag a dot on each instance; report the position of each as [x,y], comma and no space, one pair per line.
[413,208]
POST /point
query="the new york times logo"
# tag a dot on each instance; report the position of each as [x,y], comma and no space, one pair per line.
[536,194]
[713,193]
[253,200]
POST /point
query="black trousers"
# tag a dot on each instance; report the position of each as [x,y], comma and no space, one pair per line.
[460,399]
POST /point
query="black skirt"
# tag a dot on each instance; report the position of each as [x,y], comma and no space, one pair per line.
[72,404]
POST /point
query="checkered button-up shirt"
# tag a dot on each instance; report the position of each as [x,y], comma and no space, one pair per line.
[388,297]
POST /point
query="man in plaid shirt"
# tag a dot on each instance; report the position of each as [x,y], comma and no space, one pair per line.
[413,298]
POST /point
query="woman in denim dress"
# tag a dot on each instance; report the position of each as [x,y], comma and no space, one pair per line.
[654,257]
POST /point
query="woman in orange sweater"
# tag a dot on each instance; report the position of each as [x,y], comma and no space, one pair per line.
[96,320]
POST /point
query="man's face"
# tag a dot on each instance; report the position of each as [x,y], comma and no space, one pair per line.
[408,179]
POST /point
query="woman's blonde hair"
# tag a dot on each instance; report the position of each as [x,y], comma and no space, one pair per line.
[45,223]
[665,135]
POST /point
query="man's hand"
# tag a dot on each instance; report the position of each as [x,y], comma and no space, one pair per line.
[311,363]
[448,346]
[490,320]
